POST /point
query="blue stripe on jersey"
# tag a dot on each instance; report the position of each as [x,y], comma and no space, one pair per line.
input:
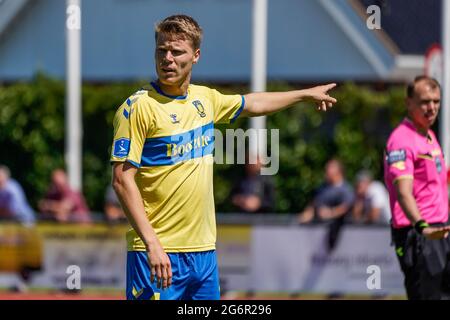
[137,165]
[169,150]
[239,110]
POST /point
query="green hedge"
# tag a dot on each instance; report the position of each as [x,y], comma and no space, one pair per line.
[355,130]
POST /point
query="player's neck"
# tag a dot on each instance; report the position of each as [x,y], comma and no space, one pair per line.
[175,90]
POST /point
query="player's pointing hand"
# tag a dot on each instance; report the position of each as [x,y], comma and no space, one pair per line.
[320,96]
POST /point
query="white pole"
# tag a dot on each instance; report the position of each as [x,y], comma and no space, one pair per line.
[73,93]
[445,106]
[259,73]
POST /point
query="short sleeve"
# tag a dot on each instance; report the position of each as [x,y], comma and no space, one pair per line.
[226,107]
[399,161]
[132,124]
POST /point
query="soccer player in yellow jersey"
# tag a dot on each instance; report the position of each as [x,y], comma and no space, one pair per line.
[162,167]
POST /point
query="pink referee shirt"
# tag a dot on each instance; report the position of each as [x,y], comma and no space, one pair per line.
[410,155]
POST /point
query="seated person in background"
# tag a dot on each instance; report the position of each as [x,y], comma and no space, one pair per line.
[333,199]
[372,200]
[255,192]
[13,202]
[62,203]
[332,202]
[14,207]
[113,208]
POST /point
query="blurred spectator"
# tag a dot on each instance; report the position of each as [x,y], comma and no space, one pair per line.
[14,207]
[371,201]
[62,203]
[255,192]
[113,209]
[332,201]
[13,202]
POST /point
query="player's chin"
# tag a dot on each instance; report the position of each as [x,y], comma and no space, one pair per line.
[431,120]
[164,74]
[168,80]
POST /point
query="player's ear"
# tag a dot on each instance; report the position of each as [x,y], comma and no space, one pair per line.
[196,56]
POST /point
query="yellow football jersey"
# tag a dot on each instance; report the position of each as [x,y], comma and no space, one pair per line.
[171,140]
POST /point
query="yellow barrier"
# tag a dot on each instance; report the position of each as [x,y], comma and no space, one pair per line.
[22,247]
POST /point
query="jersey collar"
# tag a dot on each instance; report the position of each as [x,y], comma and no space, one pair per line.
[158,89]
[411,125]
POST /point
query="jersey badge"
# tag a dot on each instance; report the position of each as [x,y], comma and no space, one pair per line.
[121,147]
[200,109]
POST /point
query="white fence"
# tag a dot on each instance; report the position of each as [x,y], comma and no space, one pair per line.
[258,258]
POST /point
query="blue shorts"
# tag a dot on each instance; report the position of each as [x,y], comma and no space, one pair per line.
[195,276]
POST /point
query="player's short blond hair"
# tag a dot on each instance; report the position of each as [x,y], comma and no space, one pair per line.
[181,26]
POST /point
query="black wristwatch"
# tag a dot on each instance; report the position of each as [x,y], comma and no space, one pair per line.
[420,225]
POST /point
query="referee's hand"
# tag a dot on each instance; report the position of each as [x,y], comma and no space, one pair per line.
[436,233]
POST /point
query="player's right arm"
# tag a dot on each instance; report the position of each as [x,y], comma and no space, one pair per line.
[132,124]
[129,196]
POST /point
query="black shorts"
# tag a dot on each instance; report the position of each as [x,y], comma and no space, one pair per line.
[424,262]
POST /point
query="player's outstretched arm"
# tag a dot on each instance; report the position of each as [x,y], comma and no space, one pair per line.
[131,200]
[263,103]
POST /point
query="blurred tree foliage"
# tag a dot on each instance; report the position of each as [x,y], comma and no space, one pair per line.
[355,130]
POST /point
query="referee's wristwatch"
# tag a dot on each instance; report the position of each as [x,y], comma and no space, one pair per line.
[420,225]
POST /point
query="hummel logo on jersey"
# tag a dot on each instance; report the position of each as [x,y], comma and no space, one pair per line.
[174,118]
[200,109]
[131,101]
[127,113]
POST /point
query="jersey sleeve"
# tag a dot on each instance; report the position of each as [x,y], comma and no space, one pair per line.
[226,107]
[399,160]
[132,125]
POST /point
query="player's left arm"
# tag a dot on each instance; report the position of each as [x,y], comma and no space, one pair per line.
[263,103]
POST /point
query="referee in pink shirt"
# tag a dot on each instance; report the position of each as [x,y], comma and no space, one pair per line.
[416,178]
